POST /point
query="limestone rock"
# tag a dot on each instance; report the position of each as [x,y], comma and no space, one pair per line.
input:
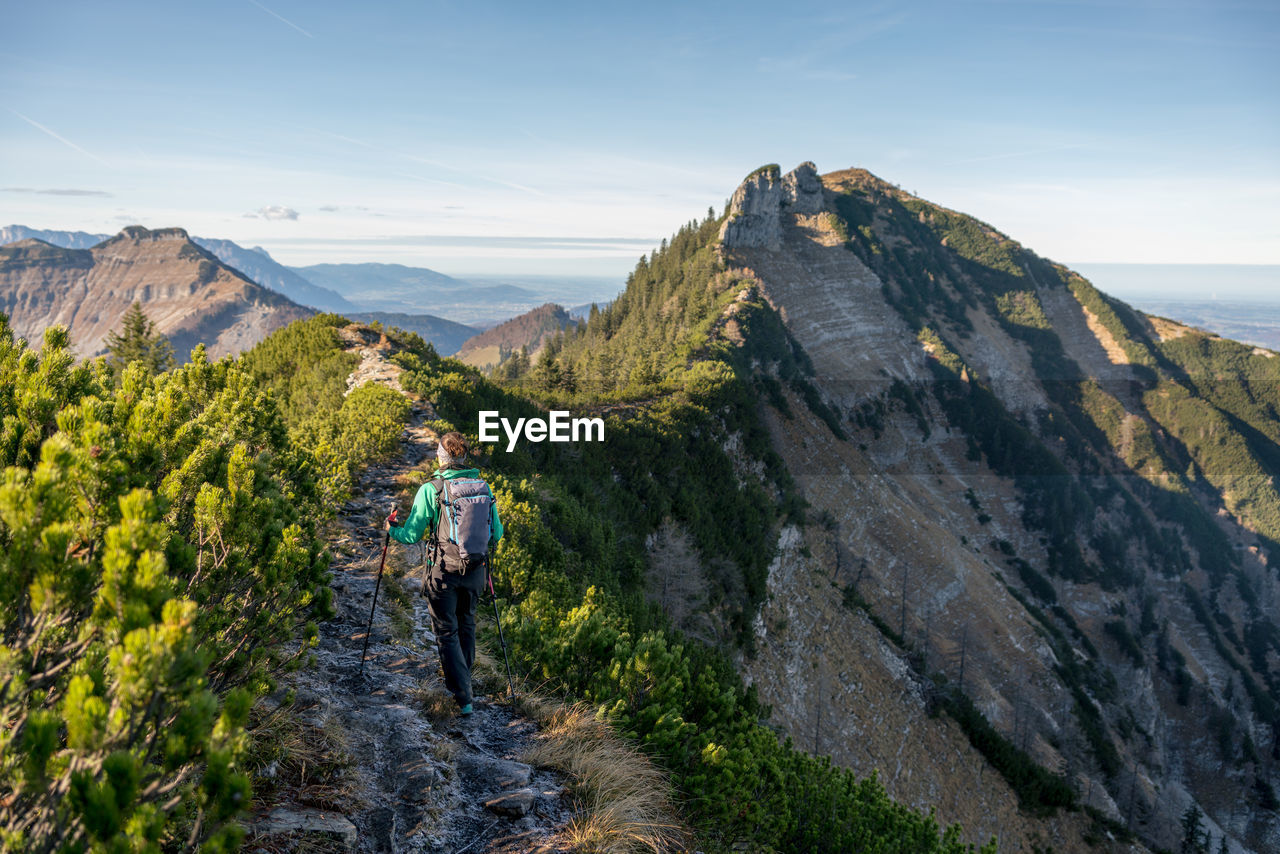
[755,211]
[802,189]
[417,776]
[513,804]
[501,773]
[283,820]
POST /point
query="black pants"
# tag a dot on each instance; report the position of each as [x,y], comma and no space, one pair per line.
[451,602]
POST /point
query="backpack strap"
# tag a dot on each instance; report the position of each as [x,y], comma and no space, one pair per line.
[434,548]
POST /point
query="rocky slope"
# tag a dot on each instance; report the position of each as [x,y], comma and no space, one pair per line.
[191,296]
[955,360]
[266,271]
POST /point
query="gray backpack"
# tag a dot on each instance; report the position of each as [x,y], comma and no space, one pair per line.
[464,524]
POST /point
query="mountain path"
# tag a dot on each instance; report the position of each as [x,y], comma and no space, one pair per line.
[417,776]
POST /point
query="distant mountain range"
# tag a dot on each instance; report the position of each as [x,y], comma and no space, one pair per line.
[263,269]
[191,296]
[418,290]
[65,239]
[401,295]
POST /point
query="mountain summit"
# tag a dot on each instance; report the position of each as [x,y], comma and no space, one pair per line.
[1034,586]
[190,295]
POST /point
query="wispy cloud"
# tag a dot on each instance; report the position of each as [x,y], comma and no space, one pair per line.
[629,244]
[275,213]
[56,191]
[59,137]
[281,18]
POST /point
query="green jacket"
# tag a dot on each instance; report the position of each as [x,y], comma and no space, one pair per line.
[426,507]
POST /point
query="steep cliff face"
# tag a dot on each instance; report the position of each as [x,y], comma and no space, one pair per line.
[1005,519]
[191,296]
[757,205]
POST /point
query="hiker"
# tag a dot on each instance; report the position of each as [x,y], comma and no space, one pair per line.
[458,544]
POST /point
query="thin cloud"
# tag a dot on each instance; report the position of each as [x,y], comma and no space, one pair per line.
[59,137]
[57,191]
[278,213]
[275,213]
[281,18]
[567,242]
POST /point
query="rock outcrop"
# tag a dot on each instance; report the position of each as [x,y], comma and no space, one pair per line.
[755,211]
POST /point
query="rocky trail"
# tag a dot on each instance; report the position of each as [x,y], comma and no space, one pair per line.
[394,768]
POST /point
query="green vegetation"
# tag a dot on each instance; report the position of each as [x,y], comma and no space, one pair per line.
[1039,791]
[159,560]
[138,341]
[1022,308]
[687,345]
[156,542]
[772,170]
[305,367]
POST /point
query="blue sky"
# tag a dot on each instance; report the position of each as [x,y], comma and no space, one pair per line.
[438,133]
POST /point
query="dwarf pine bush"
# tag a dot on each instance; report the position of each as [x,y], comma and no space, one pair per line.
[157,544]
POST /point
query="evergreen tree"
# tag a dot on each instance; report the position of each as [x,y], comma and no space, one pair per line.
[547,375]
[1194,838]
[569,378]
[138,341]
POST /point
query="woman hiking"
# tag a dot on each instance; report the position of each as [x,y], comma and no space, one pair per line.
[456,513]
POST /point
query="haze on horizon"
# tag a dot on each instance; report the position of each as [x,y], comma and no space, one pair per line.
[508,138]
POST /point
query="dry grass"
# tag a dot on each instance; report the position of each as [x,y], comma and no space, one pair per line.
[624,800]
[436,703]
[487,675]
[295,762]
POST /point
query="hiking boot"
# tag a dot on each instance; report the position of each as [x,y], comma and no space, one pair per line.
[465,710]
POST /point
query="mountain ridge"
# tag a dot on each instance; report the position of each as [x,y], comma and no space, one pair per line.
[995,453]
[528,332]
[191,296]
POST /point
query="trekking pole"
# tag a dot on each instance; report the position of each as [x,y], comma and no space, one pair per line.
[386,541]
[502,640]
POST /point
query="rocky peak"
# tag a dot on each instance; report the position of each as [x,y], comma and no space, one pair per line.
[755,210]
[140,232]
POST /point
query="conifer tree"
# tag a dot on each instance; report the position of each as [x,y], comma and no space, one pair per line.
[138,341]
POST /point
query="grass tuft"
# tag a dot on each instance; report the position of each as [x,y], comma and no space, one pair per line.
[436,703]
[624,801]
[295,762]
